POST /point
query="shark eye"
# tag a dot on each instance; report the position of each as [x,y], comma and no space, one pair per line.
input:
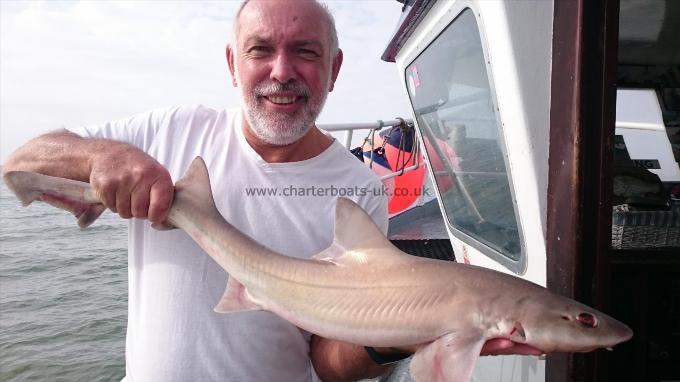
[587,320]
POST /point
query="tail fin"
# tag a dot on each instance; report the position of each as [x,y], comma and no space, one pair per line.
[193,193]
[21,183]
[71,195]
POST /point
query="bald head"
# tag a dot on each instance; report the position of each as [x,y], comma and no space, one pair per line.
[285,61]
[322,8]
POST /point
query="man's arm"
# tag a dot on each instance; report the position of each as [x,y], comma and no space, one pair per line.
[336,361]
[127,180]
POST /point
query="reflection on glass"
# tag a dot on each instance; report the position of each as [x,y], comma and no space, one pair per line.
[449,89]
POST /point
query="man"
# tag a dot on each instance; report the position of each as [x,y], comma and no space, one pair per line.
[284,61]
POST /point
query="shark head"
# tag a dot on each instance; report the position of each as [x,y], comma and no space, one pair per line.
[555,323]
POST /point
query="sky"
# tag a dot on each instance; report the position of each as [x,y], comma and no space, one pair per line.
[74,63]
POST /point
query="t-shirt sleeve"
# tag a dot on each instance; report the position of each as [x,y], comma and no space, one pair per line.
[138,130]
[376,207]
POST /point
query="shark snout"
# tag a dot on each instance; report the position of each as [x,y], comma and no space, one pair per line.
[620,332]
[604,331]
[561,325]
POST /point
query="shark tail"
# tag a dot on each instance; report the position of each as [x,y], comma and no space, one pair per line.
[66,194]
[191,192]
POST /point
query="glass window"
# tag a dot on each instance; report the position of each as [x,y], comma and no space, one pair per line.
[450,92]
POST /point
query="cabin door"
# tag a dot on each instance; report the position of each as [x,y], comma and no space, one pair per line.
[582,115]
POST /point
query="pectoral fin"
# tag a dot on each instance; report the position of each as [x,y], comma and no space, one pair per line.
[451,358]
[235,298]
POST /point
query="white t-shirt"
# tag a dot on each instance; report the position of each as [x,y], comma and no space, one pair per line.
[173,334]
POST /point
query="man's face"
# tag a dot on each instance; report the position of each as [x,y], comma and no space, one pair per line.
[283,66]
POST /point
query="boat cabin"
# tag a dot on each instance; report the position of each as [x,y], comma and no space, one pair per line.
[551,133]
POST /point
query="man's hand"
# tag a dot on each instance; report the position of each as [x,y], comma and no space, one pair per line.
[340,361]
[496,346]
[131,183]
[127,180]
[502,346]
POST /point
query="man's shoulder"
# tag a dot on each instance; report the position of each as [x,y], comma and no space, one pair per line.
[195,113]
[191,119]
[349,164]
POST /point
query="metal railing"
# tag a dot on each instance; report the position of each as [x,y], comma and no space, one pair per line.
[373,127]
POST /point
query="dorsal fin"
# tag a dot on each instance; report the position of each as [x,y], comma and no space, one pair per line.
[354,228]
[192,194]
[358,240]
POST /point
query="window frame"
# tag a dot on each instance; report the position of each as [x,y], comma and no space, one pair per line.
[518,266]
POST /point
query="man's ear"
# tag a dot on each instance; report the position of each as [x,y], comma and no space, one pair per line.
[335,70]
[231,64]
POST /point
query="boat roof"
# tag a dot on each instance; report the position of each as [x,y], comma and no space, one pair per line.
[412,13]
[648,31]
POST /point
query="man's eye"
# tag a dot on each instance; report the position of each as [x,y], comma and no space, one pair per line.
[308,53]
[259,49]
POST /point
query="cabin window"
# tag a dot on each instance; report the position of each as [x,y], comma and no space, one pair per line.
[455,110]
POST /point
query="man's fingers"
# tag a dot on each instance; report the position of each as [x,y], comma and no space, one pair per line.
[503,346]
[140,201]
[526,350]
[131,183]
[161,196]
[106,193]
[496,345]
[123,203]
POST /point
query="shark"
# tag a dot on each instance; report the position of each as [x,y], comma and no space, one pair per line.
[362,289]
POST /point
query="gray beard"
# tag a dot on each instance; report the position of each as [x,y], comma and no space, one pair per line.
[281,129]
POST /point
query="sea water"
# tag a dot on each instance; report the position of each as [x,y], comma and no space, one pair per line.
[63,294]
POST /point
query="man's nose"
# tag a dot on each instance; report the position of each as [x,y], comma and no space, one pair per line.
[283,69]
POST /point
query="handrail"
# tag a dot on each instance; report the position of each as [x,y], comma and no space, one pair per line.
[349,128]
[398,173]
[377,125]
[639,125]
